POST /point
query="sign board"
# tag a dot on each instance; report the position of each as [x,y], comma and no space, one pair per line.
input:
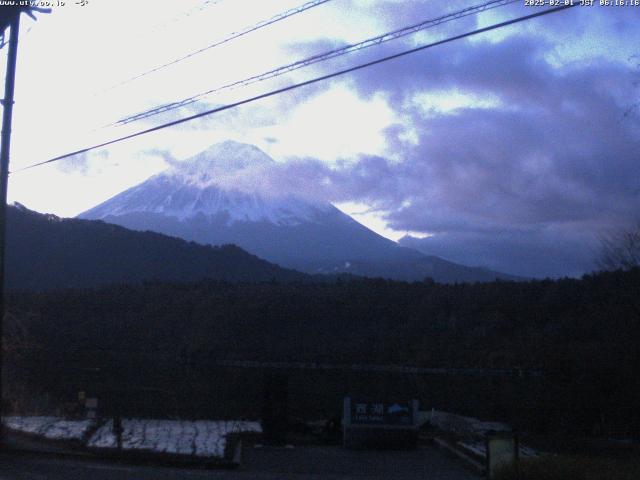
[381,413]
[380,424]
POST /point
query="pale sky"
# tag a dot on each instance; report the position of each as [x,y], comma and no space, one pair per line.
[425,146]
[70,60]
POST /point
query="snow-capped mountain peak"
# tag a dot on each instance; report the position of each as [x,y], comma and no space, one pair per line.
[222,160]
[221,182]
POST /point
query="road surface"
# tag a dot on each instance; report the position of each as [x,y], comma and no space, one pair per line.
[268,463]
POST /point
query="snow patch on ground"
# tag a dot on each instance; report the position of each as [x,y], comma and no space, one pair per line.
[53,428]
[450,422]
[202,438]
[473,431]
[480,448]
[103,437]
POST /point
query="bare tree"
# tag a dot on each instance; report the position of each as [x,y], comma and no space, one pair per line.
[620,249]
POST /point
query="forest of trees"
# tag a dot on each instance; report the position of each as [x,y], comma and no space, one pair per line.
[581,335]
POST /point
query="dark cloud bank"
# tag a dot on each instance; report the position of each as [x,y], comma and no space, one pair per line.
[526,186]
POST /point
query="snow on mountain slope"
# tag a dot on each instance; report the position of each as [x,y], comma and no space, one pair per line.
[207,185]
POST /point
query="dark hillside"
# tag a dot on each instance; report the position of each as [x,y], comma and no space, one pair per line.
[45,251]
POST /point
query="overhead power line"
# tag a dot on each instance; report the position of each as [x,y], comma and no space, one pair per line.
[302,84]
[191,11]
[321,57]
[232,36]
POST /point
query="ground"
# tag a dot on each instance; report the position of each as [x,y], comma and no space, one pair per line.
[268,463]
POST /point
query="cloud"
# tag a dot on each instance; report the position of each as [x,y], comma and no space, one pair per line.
[164,154]
[81,163]
[523,183]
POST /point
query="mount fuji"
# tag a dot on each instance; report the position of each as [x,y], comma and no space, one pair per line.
[218,197]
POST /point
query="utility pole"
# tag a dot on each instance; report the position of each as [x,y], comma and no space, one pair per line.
[5,144]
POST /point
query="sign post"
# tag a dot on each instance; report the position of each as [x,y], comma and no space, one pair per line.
[5,142]
[502,452]
[9,18]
